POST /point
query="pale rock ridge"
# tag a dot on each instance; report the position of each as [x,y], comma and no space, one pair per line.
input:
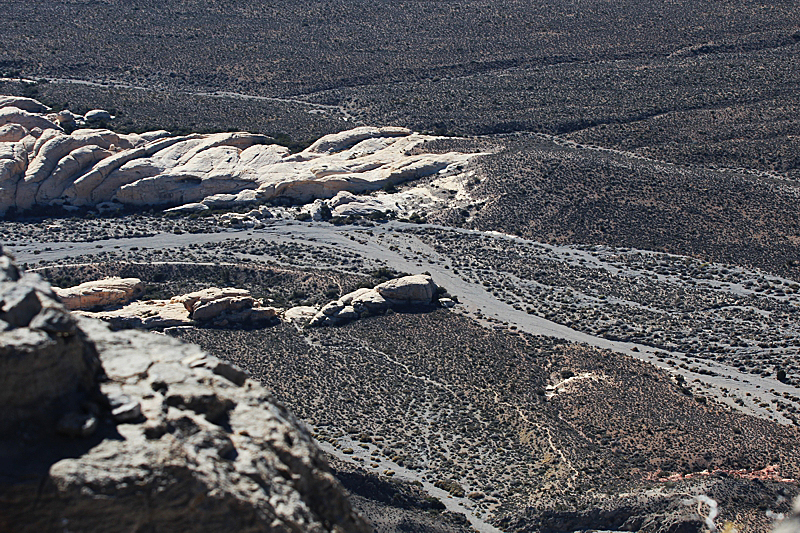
[14,115]
[143,314]
[93,166]
[215,306]
[100,293]
[26,104]
[129,431]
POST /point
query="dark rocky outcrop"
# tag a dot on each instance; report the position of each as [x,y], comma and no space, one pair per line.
[129,431]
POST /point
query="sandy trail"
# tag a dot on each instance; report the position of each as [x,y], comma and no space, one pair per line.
[395,245]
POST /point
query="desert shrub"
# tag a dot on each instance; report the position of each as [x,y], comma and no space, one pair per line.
[453,487]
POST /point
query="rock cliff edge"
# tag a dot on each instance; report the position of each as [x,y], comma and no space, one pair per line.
[130,431]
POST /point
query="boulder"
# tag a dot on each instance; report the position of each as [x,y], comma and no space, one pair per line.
[342,198]
[447,303]
[400,292]
[301,313]
[97,115]
[371,301]
[229,304]
[348,312]
[318,210]
[363,206]
[417,289]
[225,306]
[332,308]
[188,209]
[348,298]
[196,299]
[102,293]
[129,431]
[65,116]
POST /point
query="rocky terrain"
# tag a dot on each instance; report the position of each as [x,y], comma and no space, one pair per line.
[107,430]
[45,166]
[516,267]
[645,304]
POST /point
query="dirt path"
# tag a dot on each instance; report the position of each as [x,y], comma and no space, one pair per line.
[394,245]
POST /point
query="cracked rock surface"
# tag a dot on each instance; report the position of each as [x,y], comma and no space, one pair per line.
[42,165]
[129,431]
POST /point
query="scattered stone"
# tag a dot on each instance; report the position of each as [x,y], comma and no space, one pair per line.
[447,303]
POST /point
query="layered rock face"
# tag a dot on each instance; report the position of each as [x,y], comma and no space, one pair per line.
[129,431]
[42,165]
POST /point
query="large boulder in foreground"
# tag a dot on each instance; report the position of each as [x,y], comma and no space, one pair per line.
[47,366]
[130,431]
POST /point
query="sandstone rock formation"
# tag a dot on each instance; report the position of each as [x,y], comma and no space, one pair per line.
[419,289]
[26,104]
[218,307]
[129,431]
[407,291]
[40,165]
[224,306]
[101,293]
[300,314]
[144,314]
